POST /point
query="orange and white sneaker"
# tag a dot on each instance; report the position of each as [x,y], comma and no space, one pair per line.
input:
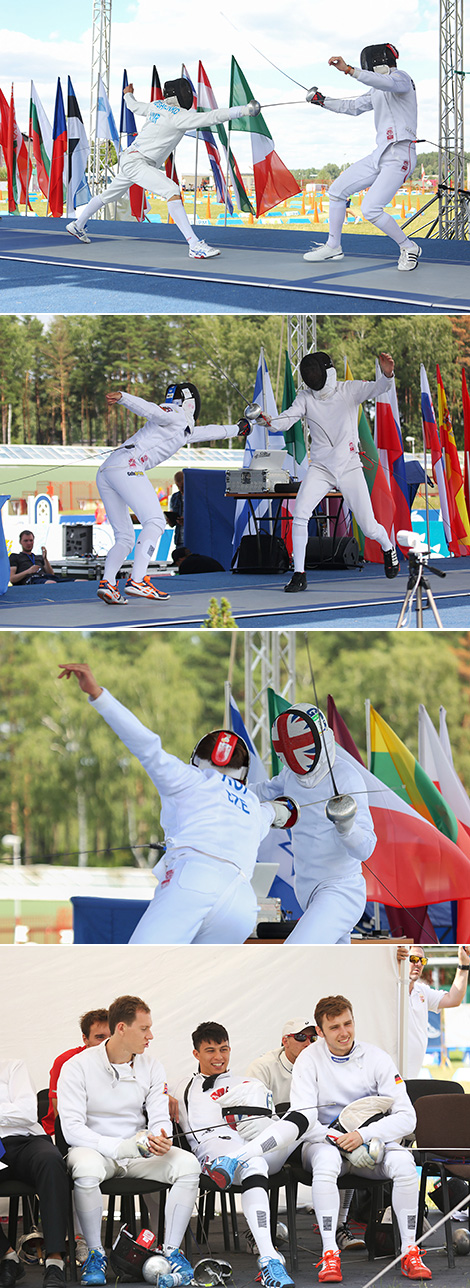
[412,1267]
[110,593]
[145,589]
[330,1272]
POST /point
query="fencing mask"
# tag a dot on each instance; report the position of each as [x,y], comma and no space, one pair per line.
[187,394]
[376,58]
[179,89]
[318,373]
[297,737]
[225,751]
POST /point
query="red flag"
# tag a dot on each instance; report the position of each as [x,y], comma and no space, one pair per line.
[341,731]
[59,152]
[466,438]
[459,520]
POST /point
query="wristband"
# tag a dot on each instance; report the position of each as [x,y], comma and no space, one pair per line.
[349,70]
[459,967]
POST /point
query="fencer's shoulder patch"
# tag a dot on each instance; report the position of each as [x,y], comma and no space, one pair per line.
[398,1078]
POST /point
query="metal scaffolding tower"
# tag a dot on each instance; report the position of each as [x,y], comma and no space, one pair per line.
[301,337]
[453,209]
[100,57]
[269,663]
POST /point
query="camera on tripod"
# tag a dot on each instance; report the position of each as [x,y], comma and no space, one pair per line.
[417,545]
[418,561]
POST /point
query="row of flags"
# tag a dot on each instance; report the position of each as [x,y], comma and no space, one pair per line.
[61,151]
[421,815]
[382,458]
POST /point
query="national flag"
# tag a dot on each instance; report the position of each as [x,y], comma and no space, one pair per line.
[6,143]
[128,127]
[40,133]
[437,764]
[432,445]
[455,492]
[341,731]
[389,443]
[15,154]
[380,494]
[273,181]
[466,439]
[204,93]
[59,153]
[106,127]
[156,95]
[394,764]
[209,101]
[260,439]
[277,845]
[78,151]
[413,863]
[186,76]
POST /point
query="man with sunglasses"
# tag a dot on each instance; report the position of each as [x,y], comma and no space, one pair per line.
[423,998]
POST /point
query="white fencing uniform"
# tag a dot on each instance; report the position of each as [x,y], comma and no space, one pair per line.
[331,1082]
[392,99]
[335,460]
[328,880]
[422,999]
[123,484]
[100,1106]
[275,1070]
[213,826]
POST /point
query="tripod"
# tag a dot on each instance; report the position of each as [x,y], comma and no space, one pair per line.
[417,581]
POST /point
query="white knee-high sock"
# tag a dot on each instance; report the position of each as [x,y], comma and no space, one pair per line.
[179,1205]
[89,1208]
[87,211]
[325,1198]
[178,213]
[405,1204]
[255,1205]
[299,543]
[336,221]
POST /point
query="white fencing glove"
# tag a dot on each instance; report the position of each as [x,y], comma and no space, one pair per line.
[287,811]
[135,1147]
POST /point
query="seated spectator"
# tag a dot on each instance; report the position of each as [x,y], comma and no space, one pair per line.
[94,1029]
[27,568]
[186,561]
[176,508]
[32,1158]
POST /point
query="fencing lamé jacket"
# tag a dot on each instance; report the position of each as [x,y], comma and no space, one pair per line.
[392,99]
[166,123]
[331,1082]
[101,1104]
[166,429]
[333,421]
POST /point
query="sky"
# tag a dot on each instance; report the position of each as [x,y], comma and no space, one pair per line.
[54,39]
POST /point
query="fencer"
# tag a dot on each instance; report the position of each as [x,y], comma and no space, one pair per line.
[363,1112]
[219,1112]
[213,824]
[114,1114]
[166,122]
[391,96]
[123,484]
[331,409]
[328,850]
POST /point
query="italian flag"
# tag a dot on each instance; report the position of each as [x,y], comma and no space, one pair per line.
[380,494]
[40,133]
[273,181]
[455,490]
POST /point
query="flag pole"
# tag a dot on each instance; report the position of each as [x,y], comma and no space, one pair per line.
[263,382]
[226,174]
[28,170]
[195,179]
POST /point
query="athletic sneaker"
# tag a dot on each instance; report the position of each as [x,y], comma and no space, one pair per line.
[145,589]
[221,1170]
[274,1274]
[79,233]
[346,1239]
[297,582]
[110,593]
[200,250]
[412,1267]
[330,1272]
[409,256]
[391,564]
[94,1270]
[321,251]
[181,1271]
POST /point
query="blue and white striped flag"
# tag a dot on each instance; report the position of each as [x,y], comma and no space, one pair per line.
[105,124]
[260,439]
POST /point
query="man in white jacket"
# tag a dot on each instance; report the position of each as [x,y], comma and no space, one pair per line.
[113,1108]
[329,849]
[213,824]
[166,122]
[123,484]
[331,409]
[391,96]
[334,1073]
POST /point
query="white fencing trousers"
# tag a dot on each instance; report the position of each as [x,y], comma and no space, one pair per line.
[254,1199]
[327,1164]
[177,1168]
[317,482]
[383,178]
[332,913]
[201,900]
[135,168]
[119,492]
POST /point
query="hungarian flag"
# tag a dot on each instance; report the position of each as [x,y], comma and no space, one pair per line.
[389,443]
[208,100]
[40,133]
[273,181]
[432,445]
[206,103]
[128,127]
[78,151]
[380,494]
[59,152]
[455,491]
[466,439]
[395,765]
[156,94]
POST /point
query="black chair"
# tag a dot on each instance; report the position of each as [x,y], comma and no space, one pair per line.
[443,1149]
[419,1087]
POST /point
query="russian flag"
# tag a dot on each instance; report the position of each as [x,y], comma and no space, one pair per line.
[59,153]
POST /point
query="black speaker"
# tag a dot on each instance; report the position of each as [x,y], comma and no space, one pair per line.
[78,539]
[326,552]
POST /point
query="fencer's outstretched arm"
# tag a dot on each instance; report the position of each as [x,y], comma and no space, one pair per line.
[190,119]
[163,415]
